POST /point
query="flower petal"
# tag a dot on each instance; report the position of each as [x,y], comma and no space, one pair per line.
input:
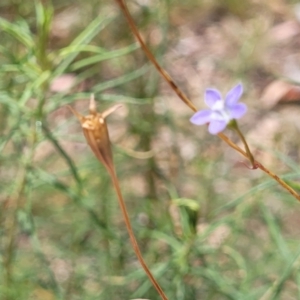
[216,126]
[211,97]
[201,117]
[238,110]
[234,95]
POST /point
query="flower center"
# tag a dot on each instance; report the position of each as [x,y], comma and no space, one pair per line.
[219,105]
[220,113]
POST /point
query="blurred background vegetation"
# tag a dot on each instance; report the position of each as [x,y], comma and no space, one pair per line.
[208,227]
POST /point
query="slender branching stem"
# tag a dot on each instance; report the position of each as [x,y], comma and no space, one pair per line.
[228,141]
[188,102]
[234,125]
[261,166]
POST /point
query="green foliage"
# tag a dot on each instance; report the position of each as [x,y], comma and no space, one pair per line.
[61,233]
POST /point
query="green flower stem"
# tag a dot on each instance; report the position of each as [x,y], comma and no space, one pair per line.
[234,125]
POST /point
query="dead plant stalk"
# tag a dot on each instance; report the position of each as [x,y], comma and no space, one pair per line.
[96,133]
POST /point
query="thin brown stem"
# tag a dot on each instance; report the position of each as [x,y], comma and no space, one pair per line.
[188,102]
[279,180]
[151,57]
[134,243]
[229,142]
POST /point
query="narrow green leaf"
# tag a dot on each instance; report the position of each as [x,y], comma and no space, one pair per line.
[104,56]
[120,80]
[189,203]
[83,38]
[275,233]
[275,289]
[31,87]
[18,32]
[222,284]
[81,48]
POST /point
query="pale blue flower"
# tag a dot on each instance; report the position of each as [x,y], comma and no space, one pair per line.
[221,112]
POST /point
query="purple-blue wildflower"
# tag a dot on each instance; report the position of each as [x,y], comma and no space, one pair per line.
[221,112]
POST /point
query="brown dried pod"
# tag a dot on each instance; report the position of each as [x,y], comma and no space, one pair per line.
[95,131]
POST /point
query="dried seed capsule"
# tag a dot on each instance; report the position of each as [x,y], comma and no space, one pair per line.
[96,133]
